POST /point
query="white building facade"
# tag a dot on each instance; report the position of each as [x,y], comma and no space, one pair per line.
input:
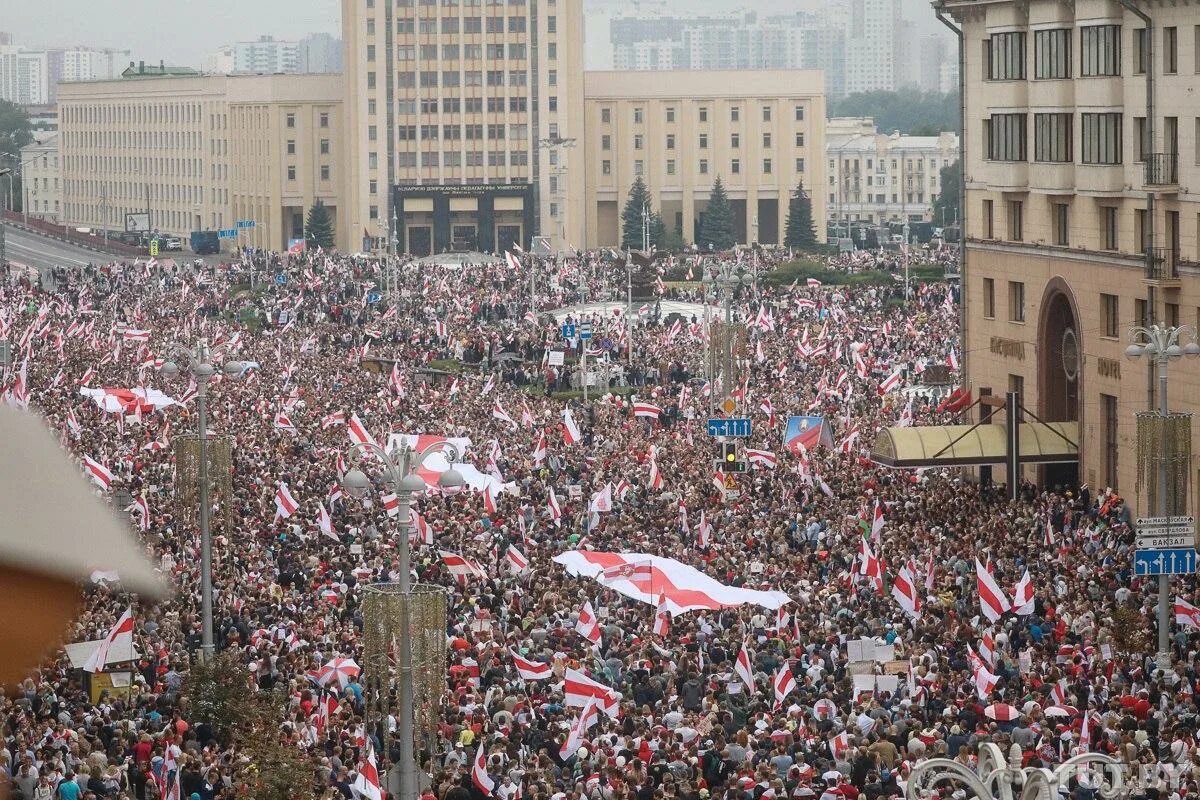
[24,76]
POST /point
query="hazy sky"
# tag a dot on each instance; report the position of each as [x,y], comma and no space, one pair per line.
[184,31]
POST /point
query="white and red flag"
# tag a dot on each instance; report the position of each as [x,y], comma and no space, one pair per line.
[576,736]
[499,413]
[1022,602]
[479,774]
[784,683]
[284,423]
[838,746]
[325,522]
[742,667]
[762,458]
[571,434]
[656,478]
[118,639]
[334,418]
[904,589]
[98,472]
[554,508]
[139,507]
[516,559]
[461,567]
[1186,614]
[285,504]
[418,529]
[366,785]
[602,501]
[992,601]
[391,504]
[646,410]
[539,449]
[662,618]
[768,409]
[588,626]
[890,383]
[530,670]
[358,432]
[877,521]
[579,688]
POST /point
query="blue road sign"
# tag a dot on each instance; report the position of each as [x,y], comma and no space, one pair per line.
[737,427]
[568,331]
[281,279]
[373,297]
[227,233]
[1176,561]
[585,330]
[245,223]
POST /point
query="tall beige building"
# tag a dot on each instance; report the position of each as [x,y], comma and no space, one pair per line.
[1082,212]
[463,123]
[760,131]
[202,152]
[41,180]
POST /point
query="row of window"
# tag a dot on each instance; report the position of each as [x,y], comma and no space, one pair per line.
[454,158]
[735,114]
[408,133]
[735,166]
[495,24]
[917,198]
[735,141]
[1006,137]
[324,173]
[518,51]
[1004,54]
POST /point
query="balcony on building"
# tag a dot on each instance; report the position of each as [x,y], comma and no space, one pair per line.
[1099,178]
[1053,176]
[1162,268]
[1161,173]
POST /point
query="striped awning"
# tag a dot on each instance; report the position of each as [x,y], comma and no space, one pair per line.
[966,445]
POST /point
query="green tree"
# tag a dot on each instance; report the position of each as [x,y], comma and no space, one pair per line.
[800,231]
[318,230]
[631,217]
[908,110]
[945,205]
[658,232]
[15,133]
[716,229]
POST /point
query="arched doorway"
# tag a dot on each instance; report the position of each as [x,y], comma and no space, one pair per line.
[1060,371]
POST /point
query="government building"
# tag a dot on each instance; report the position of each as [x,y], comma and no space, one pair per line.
[1082,213]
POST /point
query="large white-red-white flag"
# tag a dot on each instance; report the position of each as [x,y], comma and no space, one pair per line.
[890,383]
[516,559]
[285,504]
[588,625]
[904,589]
[479,774]
[366,786]
[992,601]
[325,522]
[571,434]
[784,683]
[743,669]
[358,432]
[1022,602]
[530,670]
[98,472]
[554,507]
[601,501]
[646,410]
[116,642]
[578,688]
[662,618]
[461,567]
[589,716]
[703,531]
[1186,614]
[499,413]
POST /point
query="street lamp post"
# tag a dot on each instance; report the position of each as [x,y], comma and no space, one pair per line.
[400,472]
[1161,343]
[199,366]
[727,276]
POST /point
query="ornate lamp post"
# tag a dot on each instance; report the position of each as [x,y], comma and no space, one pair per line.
[400,473]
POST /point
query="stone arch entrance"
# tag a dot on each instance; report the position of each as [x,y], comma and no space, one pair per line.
[1060,370]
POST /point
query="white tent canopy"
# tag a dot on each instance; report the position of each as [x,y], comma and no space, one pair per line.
[121,651]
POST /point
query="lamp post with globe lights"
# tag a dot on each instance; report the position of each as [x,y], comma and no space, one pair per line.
[399,471]
[1162,343]
[197,361]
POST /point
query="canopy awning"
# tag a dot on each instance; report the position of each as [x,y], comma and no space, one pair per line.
[960,445]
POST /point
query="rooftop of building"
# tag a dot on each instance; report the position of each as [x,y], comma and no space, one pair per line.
[686,84]
[143,70]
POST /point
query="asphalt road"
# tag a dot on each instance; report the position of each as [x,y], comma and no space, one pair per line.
[40,253]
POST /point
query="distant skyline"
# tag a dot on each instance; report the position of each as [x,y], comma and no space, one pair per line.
[183,33]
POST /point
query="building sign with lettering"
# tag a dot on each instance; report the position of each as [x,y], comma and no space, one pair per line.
[1008,348]
[1108,368]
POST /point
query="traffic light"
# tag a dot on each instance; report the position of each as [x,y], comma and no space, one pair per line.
[729,458]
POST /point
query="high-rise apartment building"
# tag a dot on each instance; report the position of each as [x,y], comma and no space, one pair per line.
[877,178]
[266,56]
[458,116]
[202,152]
[320,52]
[1082,217]
[872,45]
[24,76]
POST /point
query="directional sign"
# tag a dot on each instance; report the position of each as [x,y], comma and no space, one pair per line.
[568,331]
[373,297]
[1148,524]
[227,233]
[1176,561]
[738,427]
[585,330]
[1165,541]
[281,279]
[245,223]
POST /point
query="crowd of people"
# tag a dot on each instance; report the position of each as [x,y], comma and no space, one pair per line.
[473,353]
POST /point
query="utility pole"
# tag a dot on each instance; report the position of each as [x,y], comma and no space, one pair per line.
[645,229]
